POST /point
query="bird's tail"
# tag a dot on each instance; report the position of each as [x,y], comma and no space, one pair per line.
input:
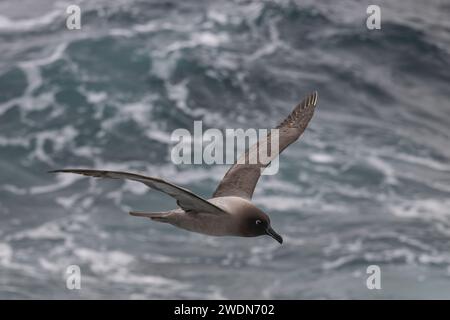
[157,216]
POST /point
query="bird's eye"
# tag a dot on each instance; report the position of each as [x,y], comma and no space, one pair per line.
[258,221]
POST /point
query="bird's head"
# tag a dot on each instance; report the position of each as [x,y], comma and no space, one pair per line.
[258,224]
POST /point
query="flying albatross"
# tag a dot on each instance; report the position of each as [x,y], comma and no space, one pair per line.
[230,211]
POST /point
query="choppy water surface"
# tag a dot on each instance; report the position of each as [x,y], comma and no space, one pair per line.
[369,182]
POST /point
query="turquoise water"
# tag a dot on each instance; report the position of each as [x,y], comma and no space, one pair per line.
[368,183]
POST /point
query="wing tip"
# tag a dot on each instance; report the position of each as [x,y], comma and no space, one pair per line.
[312,99]
[56,171]
[64,171]
[309,101]
[85,172]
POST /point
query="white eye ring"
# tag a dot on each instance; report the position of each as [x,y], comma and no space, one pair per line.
[258,221]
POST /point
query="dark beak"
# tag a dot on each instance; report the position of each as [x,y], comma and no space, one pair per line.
[273,234]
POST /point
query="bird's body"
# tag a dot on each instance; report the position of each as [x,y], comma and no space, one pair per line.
[228,224]
[229,212]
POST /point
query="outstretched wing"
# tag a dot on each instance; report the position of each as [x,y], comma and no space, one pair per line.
[186,199]
[241,178]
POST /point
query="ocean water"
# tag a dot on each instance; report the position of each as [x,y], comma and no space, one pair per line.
[367,184]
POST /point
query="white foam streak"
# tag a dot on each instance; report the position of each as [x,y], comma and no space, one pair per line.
[63,181]
[20,25]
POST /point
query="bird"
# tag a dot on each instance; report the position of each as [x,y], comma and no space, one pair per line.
[229,212]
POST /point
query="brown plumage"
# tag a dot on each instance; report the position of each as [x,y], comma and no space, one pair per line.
[229,212]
